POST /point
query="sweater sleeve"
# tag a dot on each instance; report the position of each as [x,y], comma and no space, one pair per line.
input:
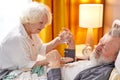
[54,74]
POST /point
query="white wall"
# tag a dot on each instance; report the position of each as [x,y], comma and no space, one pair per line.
[112,12]
[9,10]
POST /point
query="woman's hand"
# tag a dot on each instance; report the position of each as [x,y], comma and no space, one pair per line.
[67,37]
[66,60]
[40,63]
[64,36]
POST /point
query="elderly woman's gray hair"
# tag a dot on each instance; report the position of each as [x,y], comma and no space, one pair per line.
[33,13]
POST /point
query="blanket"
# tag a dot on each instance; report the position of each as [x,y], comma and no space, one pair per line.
[101,72]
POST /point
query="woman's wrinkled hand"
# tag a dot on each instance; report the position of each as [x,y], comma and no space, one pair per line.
[40,63]
[67,37]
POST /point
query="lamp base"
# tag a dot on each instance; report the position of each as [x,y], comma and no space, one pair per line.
[87,51]
[90,38]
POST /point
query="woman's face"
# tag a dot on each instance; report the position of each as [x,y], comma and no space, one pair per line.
[35,28]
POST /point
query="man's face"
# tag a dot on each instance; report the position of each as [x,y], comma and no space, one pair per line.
[105,51]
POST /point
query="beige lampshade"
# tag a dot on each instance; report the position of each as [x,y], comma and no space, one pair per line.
[90,15]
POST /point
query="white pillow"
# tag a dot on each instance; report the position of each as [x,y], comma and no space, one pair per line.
[117,62]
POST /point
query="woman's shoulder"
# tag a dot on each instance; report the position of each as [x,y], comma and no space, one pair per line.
[11,36]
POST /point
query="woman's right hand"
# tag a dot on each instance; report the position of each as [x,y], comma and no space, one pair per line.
[67,37]
[40,63]
[64,36]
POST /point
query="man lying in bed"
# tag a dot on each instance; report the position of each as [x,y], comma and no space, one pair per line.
[101,60]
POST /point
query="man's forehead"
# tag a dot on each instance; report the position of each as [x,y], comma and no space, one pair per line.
[115,41]
[111,38]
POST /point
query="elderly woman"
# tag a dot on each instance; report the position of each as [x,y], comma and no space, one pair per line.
[21,46]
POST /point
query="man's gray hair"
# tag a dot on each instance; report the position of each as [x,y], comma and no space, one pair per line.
[115,30]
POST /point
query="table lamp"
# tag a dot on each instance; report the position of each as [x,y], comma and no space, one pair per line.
[90,16]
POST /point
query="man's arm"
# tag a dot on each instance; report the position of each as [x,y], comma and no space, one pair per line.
[54,74]
[53,58]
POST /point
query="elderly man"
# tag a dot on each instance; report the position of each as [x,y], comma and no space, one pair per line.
[104,55]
